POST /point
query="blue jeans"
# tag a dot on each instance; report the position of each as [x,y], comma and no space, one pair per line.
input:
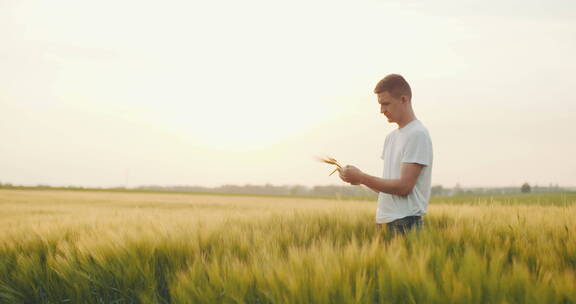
[404,225]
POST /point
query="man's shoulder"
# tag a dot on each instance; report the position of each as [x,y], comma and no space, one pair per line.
[417,128]
[418,133]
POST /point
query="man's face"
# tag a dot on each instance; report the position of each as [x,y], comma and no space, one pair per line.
[389,106]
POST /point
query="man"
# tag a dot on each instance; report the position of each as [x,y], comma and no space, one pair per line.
[404,189]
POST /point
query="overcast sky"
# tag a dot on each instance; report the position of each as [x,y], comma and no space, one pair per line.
[115,93]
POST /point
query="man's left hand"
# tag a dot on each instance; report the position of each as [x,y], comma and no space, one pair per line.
[351,174]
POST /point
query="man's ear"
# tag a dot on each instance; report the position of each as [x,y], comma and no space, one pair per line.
[404,98]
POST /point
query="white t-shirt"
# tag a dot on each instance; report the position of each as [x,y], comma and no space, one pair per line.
[410,144]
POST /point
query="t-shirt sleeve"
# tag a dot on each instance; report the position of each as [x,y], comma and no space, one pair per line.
[418,149]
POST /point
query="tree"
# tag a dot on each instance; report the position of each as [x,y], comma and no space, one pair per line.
[525,188]
[457,190]
[437,190]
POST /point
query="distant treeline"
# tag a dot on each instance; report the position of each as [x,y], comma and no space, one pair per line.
[439,190]
[301,190]
[330,190]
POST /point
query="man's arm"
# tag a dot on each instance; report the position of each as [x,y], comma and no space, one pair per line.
[402,187]
[375,190]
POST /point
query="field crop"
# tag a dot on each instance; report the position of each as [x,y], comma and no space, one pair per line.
[104,247]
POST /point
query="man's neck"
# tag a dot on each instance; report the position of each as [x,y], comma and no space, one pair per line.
[408,119]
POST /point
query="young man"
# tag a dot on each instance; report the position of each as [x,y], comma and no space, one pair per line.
[404,189]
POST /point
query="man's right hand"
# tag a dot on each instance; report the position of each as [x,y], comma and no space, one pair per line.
[351,175]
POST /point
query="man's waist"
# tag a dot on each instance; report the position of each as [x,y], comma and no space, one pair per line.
[409,218]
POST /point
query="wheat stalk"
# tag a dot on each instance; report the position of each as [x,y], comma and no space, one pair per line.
[331,161]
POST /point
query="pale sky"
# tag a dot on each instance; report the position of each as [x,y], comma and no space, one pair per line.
[104,93]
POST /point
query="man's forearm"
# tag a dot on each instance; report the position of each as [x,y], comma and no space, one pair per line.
[375,190]
[390,186]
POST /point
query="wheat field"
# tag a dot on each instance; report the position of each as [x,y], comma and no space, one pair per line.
[105,247]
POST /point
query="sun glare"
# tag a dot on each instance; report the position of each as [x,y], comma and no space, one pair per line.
[242,126]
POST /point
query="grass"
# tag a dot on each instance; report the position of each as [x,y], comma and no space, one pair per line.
[105,247]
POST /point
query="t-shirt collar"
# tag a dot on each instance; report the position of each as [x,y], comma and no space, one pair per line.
[413,122]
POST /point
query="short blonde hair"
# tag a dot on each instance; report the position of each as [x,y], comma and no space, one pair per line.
[395,85]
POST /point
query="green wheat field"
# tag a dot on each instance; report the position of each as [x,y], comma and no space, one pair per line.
[130,247]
